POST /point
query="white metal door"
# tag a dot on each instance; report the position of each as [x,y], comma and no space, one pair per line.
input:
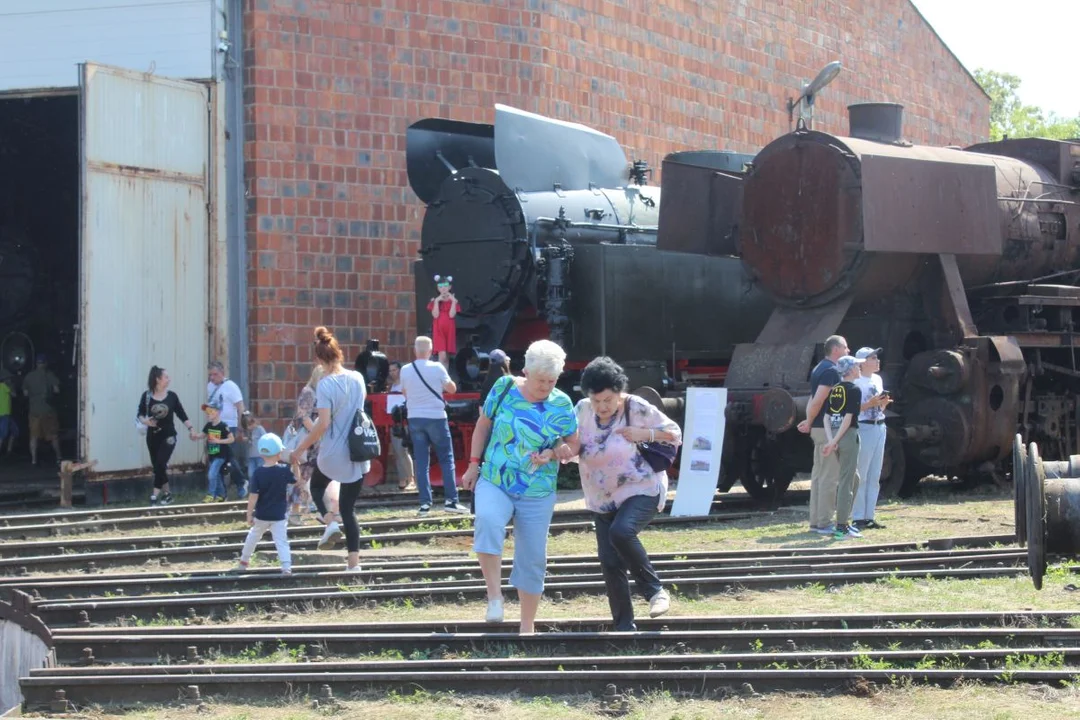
[144,256]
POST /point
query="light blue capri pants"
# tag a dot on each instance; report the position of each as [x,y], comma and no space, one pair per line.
[532,518]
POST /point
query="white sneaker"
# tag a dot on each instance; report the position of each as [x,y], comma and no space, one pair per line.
[494,611]
[330,536]
[455,507]
[355,569]
[659,604]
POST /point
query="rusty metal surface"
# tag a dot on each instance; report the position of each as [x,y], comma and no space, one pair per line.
[825,216]
[916,204]
[145,141]
[704,200]
[757,365]
[19,609]
[804,325]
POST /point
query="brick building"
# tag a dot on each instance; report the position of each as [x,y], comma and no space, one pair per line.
[330,87]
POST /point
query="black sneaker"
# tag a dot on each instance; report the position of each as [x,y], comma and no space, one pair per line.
[153,500]
[165,499]
[425,509]
[873,525]
[456,507]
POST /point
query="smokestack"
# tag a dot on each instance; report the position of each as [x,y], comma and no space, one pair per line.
[881,122]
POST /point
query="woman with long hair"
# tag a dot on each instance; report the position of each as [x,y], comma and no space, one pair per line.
[338,396]
[157,407]
[312,484]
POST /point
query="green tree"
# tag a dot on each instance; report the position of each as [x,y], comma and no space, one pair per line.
[1010,117]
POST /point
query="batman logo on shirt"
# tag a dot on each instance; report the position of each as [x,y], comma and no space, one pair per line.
[837,399]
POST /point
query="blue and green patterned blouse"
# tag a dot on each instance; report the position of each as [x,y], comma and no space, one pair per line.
[519,429]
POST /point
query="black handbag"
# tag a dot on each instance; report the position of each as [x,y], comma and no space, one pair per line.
[660,456]
[363,438]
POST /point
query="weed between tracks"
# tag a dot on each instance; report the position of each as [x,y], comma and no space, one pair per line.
[961,702]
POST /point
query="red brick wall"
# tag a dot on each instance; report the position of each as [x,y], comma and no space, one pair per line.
[332,85]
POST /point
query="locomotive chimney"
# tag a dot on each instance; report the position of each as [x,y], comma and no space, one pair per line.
[881,122]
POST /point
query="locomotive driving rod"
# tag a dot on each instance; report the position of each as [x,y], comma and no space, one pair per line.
[1046,505]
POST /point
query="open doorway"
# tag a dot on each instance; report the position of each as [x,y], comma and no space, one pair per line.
[39,268]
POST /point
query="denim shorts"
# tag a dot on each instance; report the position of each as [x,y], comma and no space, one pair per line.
[532,518]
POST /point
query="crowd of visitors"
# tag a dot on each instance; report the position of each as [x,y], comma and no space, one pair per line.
[527,427]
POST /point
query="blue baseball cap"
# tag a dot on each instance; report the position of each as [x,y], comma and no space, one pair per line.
[270,445]
[845,364]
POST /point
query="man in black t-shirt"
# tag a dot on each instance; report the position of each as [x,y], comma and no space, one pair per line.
[826,471]
[841,423]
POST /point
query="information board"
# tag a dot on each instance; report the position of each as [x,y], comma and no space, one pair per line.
[703,443]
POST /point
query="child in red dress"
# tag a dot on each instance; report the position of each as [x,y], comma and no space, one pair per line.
[444,308]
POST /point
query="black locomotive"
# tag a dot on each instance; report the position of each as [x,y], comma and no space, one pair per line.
[549,232]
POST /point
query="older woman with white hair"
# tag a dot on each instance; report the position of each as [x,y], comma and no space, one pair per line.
[532,427]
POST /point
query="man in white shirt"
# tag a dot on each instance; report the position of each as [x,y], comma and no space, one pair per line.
[423,383]
[871,438]
[223,393]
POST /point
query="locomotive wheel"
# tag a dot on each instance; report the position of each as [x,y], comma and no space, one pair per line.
[1020,480]
[1034,481]
[893,467]
[767,476]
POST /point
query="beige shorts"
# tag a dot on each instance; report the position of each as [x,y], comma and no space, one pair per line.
[44,426]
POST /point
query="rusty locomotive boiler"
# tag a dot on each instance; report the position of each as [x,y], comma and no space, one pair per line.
[549,232]
[963,264]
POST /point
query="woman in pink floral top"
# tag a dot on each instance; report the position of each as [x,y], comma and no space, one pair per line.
[620,486]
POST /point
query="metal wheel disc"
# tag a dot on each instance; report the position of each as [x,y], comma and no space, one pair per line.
[1036,516]
[1019,478]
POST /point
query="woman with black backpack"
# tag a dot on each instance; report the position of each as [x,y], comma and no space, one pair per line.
[339,396]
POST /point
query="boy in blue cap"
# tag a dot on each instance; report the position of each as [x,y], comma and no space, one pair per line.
[266,510]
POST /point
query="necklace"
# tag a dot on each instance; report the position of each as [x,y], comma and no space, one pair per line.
[608,424]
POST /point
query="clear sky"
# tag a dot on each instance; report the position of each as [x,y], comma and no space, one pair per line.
[1033,39]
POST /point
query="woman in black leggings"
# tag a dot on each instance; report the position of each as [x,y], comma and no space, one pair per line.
[339,396]
[157,407]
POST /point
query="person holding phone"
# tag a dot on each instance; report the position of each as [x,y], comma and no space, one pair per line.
[875,399]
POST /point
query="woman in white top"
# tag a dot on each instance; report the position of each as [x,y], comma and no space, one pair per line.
[339,395]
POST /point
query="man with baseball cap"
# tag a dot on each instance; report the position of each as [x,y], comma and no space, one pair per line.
[871,437]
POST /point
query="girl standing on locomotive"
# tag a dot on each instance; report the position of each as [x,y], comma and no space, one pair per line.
[444,308]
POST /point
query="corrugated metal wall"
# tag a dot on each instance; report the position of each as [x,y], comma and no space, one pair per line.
[44,40]
[145,264]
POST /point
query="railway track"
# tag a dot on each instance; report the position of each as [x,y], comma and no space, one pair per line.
[24,527]
[105,552]
[699,656]
[426,573]
[382,531]
[202,596]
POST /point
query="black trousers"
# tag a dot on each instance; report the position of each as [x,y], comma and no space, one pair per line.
[620,550]
[161,448]
[317,486]
[347,506]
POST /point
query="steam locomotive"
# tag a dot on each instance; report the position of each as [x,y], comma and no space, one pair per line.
[962,264]
[549,232]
